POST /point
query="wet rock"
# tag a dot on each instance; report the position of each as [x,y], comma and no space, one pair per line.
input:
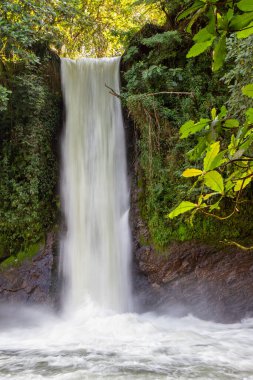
[209,282]
[31,282]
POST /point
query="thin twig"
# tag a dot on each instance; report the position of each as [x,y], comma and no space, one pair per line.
[112,92]
[170,93]
[228,242]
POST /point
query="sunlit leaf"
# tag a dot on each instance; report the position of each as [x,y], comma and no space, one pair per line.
[242,183]
[203,35]
[199,48]
[190,127]
[231,123]
[248,90]
[192,172]
[245,32]
[182,208]
[214,181]
[213,113]
[211,154]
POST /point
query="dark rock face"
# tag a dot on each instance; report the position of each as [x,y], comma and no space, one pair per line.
[208,282]
[33,281]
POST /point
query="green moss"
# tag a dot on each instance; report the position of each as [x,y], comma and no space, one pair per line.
[17,260]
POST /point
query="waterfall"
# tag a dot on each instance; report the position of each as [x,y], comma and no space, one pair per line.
[95,250]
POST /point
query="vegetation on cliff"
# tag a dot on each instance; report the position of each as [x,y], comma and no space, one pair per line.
[157,118]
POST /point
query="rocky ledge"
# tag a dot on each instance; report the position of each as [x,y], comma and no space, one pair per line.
[209,282]
[32,282]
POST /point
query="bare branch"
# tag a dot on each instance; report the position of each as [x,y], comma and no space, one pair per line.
[112,92]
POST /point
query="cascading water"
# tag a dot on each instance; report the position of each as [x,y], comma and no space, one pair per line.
[96,248]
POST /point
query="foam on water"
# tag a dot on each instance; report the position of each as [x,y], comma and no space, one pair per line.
[94,343]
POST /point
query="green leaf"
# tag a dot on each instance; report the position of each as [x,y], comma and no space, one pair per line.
[248,90]
[197,5]
[245,32]
[239,22]
[245,5]
[214,113]
[211,154]
[192,172]
[230,14]
[214,181]
[215,206]
[249,115]
[219,53]
[203,35]
[242,183]
[248,140]
[232,147]
[223,112]
[182,208]
[199,48]
[197,151]
[190,128]
[209,195]
[231,123]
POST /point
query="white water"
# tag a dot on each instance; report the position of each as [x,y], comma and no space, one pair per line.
[96,249]
[95,344]
[93,339]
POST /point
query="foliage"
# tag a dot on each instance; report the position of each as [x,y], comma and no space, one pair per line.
[28,162]
[4,97]
[240,62]
[162,90]
[221,18]
[91,28]
[233,163]
[225,172]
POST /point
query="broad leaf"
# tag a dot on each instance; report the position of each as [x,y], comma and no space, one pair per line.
[241,21]
[245,5]
[210,156]
[242,183]
[182,208]
[190,127]
[223,112]
[248,90]
[214,113]
[207,196]
[245,32]
[199,48]
[192,172]
[232,147]
[231,123]
[249,115]
[202,36]
[197,5]
[219,53]
[214,181]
